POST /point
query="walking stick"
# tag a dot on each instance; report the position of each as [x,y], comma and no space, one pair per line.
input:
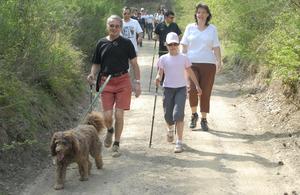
[175,128]
[91,96]
[152,65]
[153,116]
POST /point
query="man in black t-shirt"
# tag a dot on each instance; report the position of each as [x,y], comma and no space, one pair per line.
[162,29]
[111,57]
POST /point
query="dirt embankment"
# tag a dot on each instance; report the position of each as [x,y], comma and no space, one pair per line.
[21,164]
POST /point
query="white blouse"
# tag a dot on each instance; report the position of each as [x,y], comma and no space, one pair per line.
[200,44]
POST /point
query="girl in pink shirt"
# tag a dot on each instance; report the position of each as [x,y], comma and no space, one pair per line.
[175,66]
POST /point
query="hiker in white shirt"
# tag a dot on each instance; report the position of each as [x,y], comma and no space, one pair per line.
[131,28]
[149,19]
[201,44]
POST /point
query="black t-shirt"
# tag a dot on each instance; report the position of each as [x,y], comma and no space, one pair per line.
[113,55]
[134,17]
[162,30]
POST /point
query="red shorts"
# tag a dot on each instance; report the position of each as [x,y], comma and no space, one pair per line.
[116,93]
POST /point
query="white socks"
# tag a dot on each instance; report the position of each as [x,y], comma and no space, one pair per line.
[178,142]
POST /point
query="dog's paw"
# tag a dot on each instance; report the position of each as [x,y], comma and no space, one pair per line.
[84,178]
[59,186]
[99,165]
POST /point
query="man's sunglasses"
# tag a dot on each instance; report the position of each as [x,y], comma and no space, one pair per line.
[114,26]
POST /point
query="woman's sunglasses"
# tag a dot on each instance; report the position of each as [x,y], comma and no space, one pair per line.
[173,44]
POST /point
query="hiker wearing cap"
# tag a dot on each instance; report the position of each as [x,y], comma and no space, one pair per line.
[175,66]
[201,44]
[143,20]
[149,20]
[111,57]
[162,29]
[142,24]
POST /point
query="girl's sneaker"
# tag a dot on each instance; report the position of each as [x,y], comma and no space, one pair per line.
[178,147]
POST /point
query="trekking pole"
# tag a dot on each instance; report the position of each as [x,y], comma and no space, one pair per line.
[152,65]
[91,96]
[153,116]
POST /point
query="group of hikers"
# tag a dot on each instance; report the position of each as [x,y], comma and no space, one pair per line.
[148,21]
[187,65]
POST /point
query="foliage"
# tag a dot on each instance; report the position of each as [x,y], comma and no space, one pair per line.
[263,33]
[13,145]
[92,25]
[43,46]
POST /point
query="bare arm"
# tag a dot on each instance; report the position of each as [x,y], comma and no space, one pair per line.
[183,48]
[140,37]
[137,76]
[159,76]
[92,76]
[217,52]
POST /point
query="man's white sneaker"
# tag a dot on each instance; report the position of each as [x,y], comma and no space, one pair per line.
[108,139]
[116,151]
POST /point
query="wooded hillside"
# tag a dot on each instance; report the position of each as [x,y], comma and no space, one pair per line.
[43,48]
[45,44]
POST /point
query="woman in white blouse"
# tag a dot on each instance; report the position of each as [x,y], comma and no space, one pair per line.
[201,44]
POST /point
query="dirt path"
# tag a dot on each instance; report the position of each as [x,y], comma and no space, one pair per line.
[237,156]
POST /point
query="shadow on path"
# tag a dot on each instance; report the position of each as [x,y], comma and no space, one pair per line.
[252,138]
[196,161]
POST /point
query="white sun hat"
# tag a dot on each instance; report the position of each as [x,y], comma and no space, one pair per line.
[172,38]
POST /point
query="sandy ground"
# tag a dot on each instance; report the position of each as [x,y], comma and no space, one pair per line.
[242,153]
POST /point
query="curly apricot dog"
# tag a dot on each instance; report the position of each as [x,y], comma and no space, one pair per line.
[75,145]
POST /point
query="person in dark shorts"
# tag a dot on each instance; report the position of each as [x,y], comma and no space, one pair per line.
[175,66]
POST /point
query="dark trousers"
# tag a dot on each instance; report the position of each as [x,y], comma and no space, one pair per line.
[149,30]
[174,104]
[205,74]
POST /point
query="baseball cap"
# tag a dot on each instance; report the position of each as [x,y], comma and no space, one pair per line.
[172,38]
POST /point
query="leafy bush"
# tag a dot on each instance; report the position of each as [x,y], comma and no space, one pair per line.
[259,34]
[43,46]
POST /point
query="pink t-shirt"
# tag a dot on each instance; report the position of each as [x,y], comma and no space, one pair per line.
[174,69]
